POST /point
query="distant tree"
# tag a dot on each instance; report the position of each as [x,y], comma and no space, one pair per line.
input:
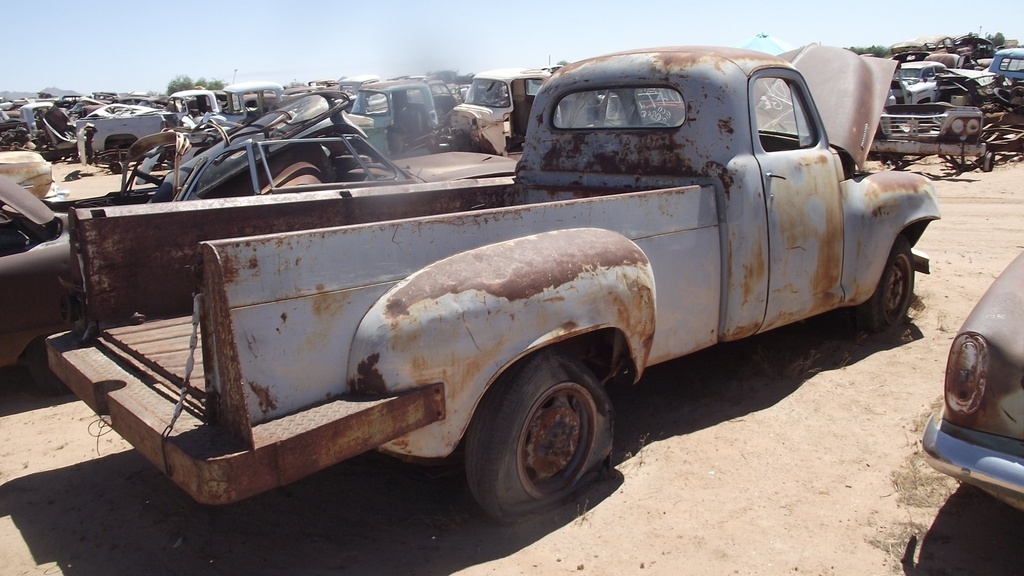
[879,51]
[185,82]
[996,39]
[179,83]
[562,62]
[447,76]
[211,84]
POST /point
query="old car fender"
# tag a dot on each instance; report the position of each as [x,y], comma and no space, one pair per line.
[486,127]
[877,208]
[465,319]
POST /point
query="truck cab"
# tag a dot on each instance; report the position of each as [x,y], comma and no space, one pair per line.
[398,116]
[496,111]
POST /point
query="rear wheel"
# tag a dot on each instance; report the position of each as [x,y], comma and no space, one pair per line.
[540,434]
[888,306]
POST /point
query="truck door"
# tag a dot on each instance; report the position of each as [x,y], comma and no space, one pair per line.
[803,201]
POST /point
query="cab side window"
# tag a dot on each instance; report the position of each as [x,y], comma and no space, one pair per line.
[781,116]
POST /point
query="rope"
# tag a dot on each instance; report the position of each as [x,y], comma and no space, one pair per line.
[193,341]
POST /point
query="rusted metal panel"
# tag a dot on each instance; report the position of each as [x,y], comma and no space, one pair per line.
[713,85]
[209,463]
[216,469]
[289,298]
[805,234]
[482,309]
[156,276]
[877,207]
[915,148]
[161,344]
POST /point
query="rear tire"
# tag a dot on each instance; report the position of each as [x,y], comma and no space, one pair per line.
[888,306]
[540,435]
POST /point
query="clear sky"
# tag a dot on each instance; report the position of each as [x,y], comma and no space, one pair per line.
[115,46]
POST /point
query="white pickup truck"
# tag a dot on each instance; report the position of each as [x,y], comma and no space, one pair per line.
[666,200]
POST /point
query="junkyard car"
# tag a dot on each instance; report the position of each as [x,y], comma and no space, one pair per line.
[979,436]
[908,132]
[398,116]
[918,82]
[305,142]
[1009,63]
[33,254]
[496,112]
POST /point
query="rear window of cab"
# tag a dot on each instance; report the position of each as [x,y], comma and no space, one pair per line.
[621,108]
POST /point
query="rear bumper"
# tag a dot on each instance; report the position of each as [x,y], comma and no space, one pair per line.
[204,460]
[997,472]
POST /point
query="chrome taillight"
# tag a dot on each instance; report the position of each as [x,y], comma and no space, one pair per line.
[966,375]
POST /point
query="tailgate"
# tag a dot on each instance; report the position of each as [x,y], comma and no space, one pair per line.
[137,398]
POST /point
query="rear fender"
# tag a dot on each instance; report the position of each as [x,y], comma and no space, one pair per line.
[465,319]
[879,207]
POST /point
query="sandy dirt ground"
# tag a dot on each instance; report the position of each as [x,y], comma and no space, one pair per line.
[795,452]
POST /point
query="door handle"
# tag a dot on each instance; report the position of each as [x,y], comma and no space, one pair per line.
[770,176]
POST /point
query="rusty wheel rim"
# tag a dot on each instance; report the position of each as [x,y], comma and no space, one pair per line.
[897,290]
[555,442]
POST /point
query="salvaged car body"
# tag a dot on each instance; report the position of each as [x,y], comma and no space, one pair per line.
[195,104]
[1009,63]
[666,200]
[495,113]
[105,139]
[41,127]
[34,253]
[397,116]
[978,438]
[306,143]
[917,82]
[351,84]
[250,99]
[909,132]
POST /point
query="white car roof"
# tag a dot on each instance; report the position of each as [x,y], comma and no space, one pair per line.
[511,73]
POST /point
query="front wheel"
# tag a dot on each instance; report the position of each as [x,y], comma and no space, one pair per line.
[539,435]
[888,306]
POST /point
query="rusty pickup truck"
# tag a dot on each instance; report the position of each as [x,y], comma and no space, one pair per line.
[666,200]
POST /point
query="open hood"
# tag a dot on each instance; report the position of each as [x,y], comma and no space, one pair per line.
[849,91]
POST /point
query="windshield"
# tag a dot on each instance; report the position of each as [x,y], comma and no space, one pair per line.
[287,116]
[908,74]
[370,103]
[492,93]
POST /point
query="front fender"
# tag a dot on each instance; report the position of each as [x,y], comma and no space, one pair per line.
[465,319]
[878,207]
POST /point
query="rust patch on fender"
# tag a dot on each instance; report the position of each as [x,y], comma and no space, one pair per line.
[368,379]
[518,269]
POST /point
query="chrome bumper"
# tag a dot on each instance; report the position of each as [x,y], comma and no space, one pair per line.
[991,470]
